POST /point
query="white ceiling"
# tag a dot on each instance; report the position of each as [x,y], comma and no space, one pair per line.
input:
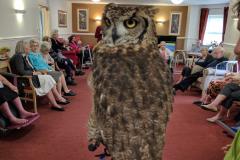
[160,2]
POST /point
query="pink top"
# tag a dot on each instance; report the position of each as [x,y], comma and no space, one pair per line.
[74,47]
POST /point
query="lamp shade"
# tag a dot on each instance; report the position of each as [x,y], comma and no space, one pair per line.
[177,1]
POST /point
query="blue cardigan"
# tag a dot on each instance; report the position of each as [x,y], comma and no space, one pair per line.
[38,62]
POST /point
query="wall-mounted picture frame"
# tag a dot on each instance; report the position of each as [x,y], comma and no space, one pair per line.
[83,20]
[175,23]
[62,18]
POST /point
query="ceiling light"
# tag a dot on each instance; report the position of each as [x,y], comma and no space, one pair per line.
[177,1]
[96,0]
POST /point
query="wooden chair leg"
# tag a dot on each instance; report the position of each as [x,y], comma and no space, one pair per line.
[34,102]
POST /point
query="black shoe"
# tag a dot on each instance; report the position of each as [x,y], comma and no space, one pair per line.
[79,73]
[198,103]
[178,87]
[70,93]
[65,98]
[63,103]
[58,109]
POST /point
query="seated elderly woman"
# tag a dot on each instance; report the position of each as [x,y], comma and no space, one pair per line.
[63,63]
[9,93]
[57,45]
[75,45]
[47,85]
[185,83]
[39,64]
[166,53]
[226,97]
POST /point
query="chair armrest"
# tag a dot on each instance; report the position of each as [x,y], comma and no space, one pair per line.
[6,74]
[24,77]
[27,78]
[43,71]
[10,77]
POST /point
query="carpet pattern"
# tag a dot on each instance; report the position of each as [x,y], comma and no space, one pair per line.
[62,136]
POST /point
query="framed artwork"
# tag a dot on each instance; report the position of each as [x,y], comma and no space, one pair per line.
[82,20]
[175,23]
[62,18]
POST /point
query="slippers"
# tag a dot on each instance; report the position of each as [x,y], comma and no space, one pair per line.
[197,103]
[206,107]
[29,121]
[214,121]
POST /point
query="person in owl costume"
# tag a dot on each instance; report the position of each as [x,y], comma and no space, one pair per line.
[132,86]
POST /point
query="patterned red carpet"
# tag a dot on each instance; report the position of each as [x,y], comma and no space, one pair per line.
[62,136]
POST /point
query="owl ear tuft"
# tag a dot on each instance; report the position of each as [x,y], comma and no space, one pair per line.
[149,10]
[111,6]
[152,11]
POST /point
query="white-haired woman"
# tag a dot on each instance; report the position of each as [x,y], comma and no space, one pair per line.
[39,64]
[21,66]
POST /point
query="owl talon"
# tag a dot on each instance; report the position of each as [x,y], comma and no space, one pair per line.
[93,146]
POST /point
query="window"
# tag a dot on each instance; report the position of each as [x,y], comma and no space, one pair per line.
[214,29]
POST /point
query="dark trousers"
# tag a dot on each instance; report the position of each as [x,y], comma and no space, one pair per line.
[184,84]
[232,92]
[67,65]
[80,59]
[186,72]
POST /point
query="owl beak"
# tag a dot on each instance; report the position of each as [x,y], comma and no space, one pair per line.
[115,36]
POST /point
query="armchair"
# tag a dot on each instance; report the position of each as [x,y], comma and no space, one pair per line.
[5,124]
[24,83]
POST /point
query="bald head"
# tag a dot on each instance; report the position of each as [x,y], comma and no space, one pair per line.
[219,52]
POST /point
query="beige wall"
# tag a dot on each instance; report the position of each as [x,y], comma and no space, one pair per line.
[96,10]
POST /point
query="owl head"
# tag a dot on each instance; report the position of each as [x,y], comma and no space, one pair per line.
[128,25]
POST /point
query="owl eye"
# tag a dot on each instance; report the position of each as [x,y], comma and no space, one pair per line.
[130,23]
[107,22]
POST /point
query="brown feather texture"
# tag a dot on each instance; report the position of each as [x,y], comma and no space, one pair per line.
[132,92]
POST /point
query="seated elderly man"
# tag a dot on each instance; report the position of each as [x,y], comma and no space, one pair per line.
[219,57]
[200,64]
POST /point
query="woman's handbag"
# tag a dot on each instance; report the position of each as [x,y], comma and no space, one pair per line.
[36,81]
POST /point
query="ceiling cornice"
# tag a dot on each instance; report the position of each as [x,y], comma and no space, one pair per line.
[148,2]
[155,4]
